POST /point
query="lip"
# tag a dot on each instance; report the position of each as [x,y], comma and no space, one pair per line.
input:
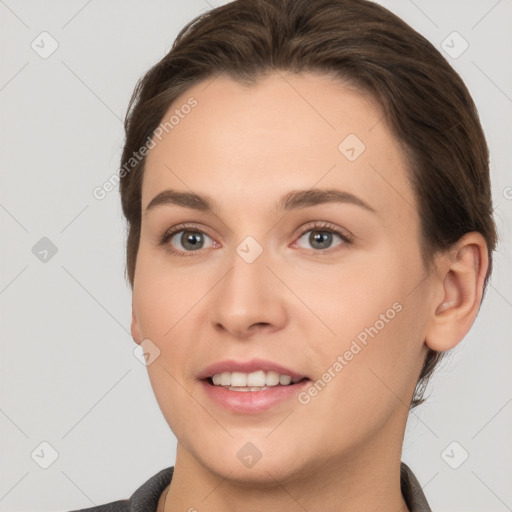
[252,402]
[230,365]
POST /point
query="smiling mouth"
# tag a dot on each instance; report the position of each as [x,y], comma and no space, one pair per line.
[261,387]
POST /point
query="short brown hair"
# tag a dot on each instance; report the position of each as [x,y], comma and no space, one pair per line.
[426,104]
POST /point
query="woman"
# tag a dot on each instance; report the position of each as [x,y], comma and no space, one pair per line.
[307,192]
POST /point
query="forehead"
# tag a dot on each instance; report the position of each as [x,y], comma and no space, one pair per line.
[244,143]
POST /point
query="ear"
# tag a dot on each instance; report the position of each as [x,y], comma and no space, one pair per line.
[461,273]
[135,327]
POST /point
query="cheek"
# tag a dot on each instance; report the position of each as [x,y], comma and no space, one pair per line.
[372,331]
[164,304]
[165,314]
[163,293]
[345,300]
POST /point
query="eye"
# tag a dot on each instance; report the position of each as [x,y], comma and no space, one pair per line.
[182,239]
[321,236]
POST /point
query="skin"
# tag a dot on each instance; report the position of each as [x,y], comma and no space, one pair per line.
[246,147]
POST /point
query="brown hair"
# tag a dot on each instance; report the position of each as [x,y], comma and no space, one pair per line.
[426,104]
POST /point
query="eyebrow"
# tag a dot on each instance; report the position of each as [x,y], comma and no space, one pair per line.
[294,200]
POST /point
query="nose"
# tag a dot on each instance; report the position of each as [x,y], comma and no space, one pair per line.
[249,299]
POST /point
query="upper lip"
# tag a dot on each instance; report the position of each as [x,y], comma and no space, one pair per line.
[230,365]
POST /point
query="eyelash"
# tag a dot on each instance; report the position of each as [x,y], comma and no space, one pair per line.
[321,226]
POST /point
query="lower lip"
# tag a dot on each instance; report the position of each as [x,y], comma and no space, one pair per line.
[251,401]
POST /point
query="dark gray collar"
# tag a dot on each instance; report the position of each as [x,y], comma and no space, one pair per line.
[412,491]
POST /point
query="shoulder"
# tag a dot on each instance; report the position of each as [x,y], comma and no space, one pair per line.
[145,498]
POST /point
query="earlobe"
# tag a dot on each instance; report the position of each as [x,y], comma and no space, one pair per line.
[461,278]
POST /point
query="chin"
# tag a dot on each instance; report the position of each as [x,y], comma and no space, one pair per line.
[251,460]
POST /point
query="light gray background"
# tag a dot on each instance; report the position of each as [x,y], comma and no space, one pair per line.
[68,373]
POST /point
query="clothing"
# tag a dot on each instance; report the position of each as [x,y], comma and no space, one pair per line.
[145,498]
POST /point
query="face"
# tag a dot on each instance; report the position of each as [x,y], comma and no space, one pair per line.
[275,278]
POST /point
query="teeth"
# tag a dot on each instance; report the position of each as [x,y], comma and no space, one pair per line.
[256,378]
[272,379]
[255,381]
[238,379]
[284,380]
